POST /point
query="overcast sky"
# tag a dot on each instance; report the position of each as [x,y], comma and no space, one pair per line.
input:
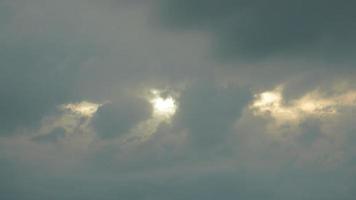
[177,99]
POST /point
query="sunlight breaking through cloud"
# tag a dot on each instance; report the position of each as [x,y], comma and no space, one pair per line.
[163,107]
[84,108]
[313,104]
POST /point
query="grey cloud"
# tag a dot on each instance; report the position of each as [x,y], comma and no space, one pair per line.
[311,131]
[208,112]
[35,78]
[115,119]
[54,136]
[288,183]
[58,52]
[43,51]
[252,30]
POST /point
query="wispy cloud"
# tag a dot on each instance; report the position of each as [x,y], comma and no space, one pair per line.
[313,104]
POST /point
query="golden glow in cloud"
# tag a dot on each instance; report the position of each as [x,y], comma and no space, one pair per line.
[312,104]
[84,108]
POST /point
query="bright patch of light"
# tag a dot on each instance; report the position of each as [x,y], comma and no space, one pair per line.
[165,107]
[84,108]
[271,103]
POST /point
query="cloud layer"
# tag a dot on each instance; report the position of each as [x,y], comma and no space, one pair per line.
[255,30]
[177,99]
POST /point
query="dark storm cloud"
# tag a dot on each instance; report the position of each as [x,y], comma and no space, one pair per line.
[115,119]
[324,29]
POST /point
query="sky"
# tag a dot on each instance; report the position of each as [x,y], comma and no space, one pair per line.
[177,99]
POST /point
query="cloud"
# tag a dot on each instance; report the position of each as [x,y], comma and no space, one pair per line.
[208,111]
[255,30]
[33,82]
[312,104]
[38,71]
[53,136]
[118,118]
[78,120]
[84,108]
